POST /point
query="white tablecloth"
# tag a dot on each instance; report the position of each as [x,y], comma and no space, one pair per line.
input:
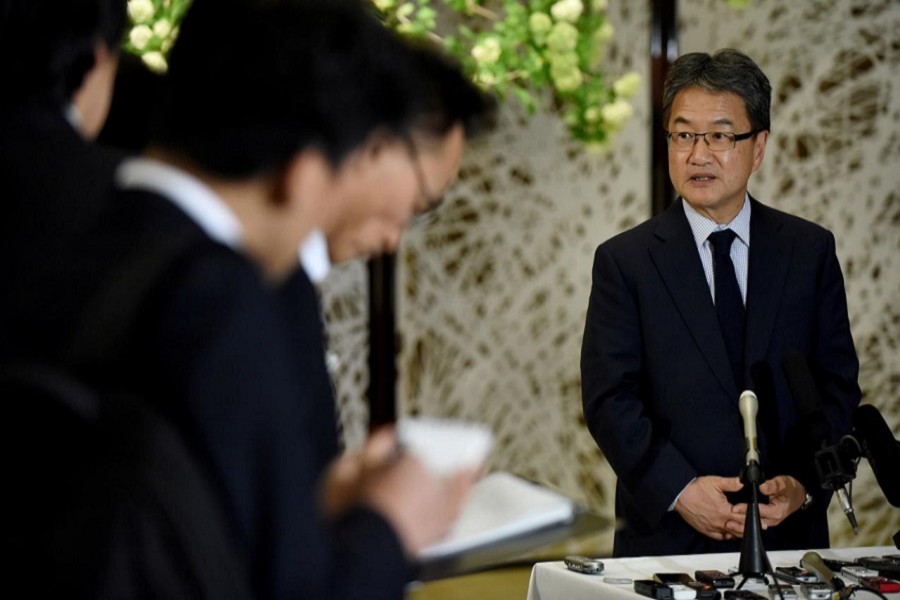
[553,581]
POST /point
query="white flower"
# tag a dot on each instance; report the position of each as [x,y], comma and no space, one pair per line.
[140,36]
[592,115]
[384,5]
[486,79]
[487,51]
[617,113]
[405,10]
[540,24]
[563,38]
[140,11]
[156,61]
[567,10]
[566,78]
[604,33]
[162,28]
[627,85]
[564,62]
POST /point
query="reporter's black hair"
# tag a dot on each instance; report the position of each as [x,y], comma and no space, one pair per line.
[47,46]
[253,82]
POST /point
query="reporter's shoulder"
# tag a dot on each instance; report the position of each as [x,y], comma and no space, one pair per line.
[217,275]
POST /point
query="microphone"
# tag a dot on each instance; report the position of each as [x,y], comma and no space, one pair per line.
[812,562]
[749,406]
[835,464]
[880,448]
[753,561]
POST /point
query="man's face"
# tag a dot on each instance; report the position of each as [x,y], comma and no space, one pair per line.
[386,187]
[713,183]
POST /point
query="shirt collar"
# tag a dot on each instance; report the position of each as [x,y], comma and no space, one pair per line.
[702,226]
[73,117]
[207,209]
[314,256]
[191,195]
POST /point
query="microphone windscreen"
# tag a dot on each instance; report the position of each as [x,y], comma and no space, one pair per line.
[812,562]
[802,385]
[748,404]
[881,449]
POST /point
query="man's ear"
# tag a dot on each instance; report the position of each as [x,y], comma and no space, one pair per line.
[308,188]
[759,148]
[93,97]
[300,178]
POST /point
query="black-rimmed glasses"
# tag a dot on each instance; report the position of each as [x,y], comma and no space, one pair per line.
[717,141]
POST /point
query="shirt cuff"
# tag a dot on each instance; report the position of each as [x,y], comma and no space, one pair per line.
[675,501]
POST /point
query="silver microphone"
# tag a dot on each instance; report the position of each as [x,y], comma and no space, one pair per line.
[844,500]
[749,406]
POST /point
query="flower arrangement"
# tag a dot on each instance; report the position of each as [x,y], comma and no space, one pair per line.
[526,49]
[153,30]
[532,50]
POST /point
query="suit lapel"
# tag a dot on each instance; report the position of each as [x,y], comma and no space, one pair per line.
[770,255]
[679,266]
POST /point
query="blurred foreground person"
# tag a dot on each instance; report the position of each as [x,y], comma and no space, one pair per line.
[322,129]
[58,61]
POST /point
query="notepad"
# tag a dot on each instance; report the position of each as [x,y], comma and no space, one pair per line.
[446,445]
[502,505]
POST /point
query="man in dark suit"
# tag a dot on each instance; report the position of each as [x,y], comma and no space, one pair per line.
[320,124]
[679,324]
[58,61]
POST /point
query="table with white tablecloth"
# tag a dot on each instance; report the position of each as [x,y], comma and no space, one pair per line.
[553,581]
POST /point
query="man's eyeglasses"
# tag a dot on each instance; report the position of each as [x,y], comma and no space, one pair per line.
[430,201]
[717,141]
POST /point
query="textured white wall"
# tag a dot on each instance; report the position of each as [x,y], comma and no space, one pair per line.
[492,294]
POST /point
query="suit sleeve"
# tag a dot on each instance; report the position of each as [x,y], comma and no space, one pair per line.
[255,419]
[835,362]
[614,389]
[829,351]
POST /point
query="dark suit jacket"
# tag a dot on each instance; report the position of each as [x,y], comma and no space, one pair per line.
[54,184]
[238,366]
[659,395]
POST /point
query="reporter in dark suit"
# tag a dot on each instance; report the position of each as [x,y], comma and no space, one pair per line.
[58,61]
[319,125]
[662,368]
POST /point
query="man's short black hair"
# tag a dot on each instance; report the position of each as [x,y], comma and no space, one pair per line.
[251,83]
[727,70]
[47,46]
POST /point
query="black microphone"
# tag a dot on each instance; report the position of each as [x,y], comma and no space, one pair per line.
[835,464]
[812,562]
[880,448]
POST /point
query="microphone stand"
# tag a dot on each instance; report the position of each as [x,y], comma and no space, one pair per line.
[754,563]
